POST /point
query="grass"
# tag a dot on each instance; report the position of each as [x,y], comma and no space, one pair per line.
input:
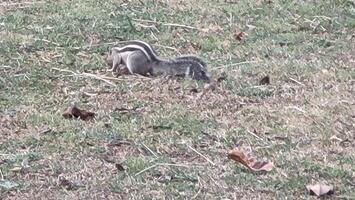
[304,120]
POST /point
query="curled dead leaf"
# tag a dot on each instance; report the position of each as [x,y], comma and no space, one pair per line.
[119,167]
[74,112]
[320,190]
[262,166]
[265,81]
[193,90]
[239,36]
[240,157]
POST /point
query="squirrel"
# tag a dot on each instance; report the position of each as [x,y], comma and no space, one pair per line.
[138,57]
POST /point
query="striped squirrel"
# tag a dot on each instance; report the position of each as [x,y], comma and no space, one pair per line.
[140,58]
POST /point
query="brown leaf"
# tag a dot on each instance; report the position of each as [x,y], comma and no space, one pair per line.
[193,90]
[320,190]
[74,112]
[248,162]
[239,157]
[119,167]
[262,166]
[265,81]
[239,36]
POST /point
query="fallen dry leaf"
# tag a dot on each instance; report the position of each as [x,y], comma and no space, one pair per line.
[119,167]
[320,190]
[265,81]
[249,163]
[74,112]
[239,35]
[193,90]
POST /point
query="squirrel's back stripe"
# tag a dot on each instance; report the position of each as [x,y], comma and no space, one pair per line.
[133,48]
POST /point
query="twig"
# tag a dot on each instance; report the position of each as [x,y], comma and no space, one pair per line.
[101,44]
[236,64]
[166,24]
[145,20]
[21,3]
[146,169]
[86,74]
[99,78]
[210,161]
[296,81]
[6,66]
[152,152]
[180,25]
[44,40]
[199,189]
[196,195]
[146,26]
[65,70]
[160,164]
[215,182]
[167,47]
[253,134]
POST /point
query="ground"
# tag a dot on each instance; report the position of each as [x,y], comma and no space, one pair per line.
[165,137]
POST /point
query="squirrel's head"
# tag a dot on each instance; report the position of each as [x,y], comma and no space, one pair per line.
[199,72]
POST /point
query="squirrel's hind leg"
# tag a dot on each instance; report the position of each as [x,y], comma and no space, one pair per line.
[138,63]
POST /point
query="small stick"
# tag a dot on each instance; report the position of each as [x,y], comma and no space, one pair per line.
[215,182]
[86,74]
[253,134]
[101,44]
[146,26]
[22,3]
[145,20]
[152,152]
[65,70]
[166,24]
[99,78]
[180,25]
[44,40]
[167,47]
[160,164]
[199,190]
[296,81]
[236,64]
[210,161]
